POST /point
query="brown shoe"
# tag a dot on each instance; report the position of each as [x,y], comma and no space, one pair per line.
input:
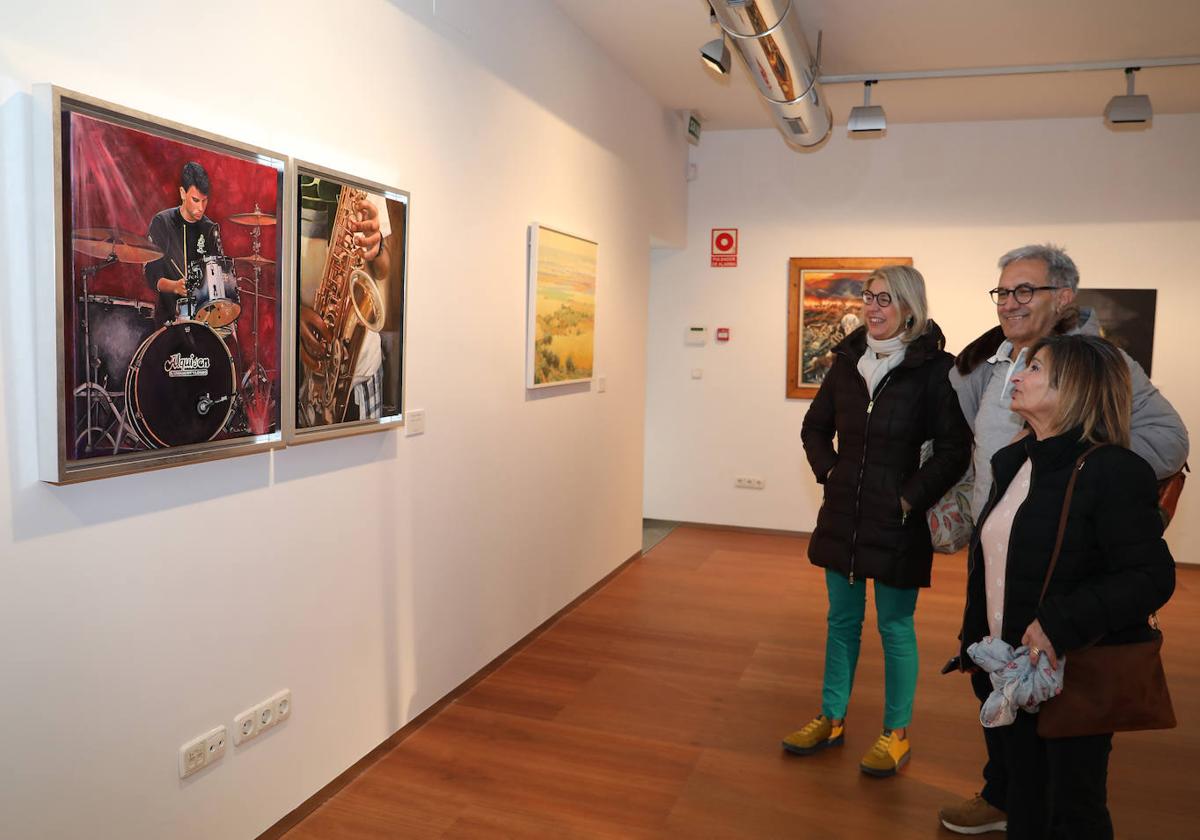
[973,816]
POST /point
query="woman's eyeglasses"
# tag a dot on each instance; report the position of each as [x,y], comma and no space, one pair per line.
[1023,293]
[882,298]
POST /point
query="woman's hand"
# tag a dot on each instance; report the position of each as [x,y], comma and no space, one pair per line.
[1038,644]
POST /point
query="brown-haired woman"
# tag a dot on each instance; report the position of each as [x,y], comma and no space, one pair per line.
[1113,571]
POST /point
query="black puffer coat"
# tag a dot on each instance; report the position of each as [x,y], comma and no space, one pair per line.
[860,531]
[1114,568]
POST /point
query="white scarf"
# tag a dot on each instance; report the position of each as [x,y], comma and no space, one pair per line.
[879,358]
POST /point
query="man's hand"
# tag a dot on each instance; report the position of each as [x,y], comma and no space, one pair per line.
[175,287]
[1038,644]
[314,337]
[366,229]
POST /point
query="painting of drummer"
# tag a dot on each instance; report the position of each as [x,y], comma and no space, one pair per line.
[184,234]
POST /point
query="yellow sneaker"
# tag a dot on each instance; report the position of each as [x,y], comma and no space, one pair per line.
[814,736]
[889,754]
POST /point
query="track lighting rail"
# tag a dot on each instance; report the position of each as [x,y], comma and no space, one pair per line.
[1016,70]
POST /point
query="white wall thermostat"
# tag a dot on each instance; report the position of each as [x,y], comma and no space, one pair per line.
[696,336]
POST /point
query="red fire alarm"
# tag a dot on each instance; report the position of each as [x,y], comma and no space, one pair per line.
[724,247]
[722,333]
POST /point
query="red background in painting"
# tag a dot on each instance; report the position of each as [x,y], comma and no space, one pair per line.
[121,177]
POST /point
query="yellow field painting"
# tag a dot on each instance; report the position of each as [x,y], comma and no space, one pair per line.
[564,308]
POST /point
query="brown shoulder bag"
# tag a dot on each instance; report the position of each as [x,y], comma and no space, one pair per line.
[1106,688]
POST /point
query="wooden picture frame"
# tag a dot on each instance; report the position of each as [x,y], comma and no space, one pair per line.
[822,293]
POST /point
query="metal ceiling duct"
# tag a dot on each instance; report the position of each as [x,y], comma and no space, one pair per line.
[768,36]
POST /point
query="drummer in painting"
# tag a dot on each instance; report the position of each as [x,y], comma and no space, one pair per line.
[185,235]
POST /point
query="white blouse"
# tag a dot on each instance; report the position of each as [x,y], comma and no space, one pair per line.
[994,537]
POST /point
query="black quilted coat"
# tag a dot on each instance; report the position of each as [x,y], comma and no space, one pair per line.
[1114,568]
[861,531]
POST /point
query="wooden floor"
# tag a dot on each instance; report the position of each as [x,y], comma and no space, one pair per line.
[655,709]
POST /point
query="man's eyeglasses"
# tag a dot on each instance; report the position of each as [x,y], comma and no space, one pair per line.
[1023,293]
[882,298]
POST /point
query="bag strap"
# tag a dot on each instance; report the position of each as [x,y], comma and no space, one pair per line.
[1062,519]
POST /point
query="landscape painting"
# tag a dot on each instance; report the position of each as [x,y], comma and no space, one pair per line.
[562,308]
[824,306]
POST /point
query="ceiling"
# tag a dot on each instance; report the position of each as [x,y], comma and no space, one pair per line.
[657,41]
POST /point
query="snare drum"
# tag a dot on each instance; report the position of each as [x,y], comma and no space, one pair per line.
[181,385]
[215,298]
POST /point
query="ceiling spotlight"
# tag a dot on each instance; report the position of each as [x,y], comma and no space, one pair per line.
[1129,108]
[867,117]
[716,55]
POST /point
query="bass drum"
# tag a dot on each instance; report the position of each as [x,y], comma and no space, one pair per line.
[180,386]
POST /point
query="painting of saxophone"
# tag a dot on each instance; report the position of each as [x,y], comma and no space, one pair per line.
[351,260]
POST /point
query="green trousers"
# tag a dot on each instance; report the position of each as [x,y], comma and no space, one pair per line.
[894,609]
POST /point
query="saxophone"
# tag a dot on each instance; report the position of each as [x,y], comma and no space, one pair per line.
[348,300]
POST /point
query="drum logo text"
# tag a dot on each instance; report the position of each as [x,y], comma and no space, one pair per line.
[180,365]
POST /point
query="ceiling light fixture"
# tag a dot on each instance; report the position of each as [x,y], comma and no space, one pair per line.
[867,118]
[716,55]
[772,43]
[1130,108]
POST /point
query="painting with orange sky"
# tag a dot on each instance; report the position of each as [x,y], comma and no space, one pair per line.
[832,310]
[562,307]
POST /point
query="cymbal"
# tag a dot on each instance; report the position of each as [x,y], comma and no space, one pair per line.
[128,247]
[255,219]
[255,259]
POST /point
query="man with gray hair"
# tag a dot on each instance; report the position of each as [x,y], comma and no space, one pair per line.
[1034,298]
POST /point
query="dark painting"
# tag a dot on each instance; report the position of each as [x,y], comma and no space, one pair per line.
[1126,319]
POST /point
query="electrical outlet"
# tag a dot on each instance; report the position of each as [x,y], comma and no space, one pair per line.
[601,384]
[270,712]
[282,704]
[245,726]
[749,482]
[214,745]
[200,752]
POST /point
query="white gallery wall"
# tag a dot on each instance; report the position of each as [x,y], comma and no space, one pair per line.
[954,197]
[369,575]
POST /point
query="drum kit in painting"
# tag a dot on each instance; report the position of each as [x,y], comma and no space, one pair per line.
[180,383]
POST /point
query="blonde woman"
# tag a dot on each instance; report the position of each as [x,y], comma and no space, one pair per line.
[885,394]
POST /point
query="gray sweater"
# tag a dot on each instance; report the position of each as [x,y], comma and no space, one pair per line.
[1158,433]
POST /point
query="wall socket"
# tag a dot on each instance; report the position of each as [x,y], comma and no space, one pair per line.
[200,752]
[749,482]
[258,719]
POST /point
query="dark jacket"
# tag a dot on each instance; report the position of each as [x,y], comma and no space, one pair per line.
[860,529]
[183,243]
[1114,568]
